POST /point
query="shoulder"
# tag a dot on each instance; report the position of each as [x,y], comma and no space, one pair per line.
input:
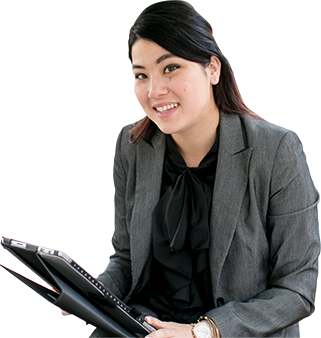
[257,128]
[124,135]
[267,136]
[276,151]
[125,151]
[240,132]
[273,148]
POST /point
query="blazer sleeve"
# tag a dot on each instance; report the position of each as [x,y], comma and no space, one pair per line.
[293,234]
[117,276]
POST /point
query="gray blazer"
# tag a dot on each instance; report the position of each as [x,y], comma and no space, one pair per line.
[264,226]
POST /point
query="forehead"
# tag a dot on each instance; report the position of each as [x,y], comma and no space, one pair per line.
[143,45]
[146,51]
[147,54]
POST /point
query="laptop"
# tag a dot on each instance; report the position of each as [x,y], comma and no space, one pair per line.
[76,291]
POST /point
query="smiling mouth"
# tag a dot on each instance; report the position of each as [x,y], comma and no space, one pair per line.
[165,109]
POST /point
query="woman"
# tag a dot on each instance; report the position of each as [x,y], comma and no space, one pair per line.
[215,209]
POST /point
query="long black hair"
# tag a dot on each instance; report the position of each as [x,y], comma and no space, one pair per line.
[179,28]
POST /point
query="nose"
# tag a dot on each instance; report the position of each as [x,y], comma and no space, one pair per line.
[157,87]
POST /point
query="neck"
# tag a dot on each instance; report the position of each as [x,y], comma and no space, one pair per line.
[194,145]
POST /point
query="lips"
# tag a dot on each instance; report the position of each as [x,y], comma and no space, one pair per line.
[164,111]
[165,107]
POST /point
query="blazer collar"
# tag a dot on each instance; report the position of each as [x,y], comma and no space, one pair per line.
[232,134]
[153,136]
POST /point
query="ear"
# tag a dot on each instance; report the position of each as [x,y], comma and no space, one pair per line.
[214,70]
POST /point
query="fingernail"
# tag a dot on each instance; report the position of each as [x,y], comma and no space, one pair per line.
[148,319]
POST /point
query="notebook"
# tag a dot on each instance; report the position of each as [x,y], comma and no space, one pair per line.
[76,291]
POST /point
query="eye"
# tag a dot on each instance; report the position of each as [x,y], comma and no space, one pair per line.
[170,69]
[140,76]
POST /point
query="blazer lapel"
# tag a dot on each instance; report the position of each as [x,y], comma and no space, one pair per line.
[150,159]
[230,185]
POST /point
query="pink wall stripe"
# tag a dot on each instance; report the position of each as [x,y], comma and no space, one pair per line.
[32,210]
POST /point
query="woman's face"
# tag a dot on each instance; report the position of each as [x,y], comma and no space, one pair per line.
[176,94]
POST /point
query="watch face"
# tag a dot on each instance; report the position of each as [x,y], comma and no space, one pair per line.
[202,331]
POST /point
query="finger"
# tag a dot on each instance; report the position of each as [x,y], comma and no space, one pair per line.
[65,313]
[156,323]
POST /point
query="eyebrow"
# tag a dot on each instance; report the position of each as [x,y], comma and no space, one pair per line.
[158,61]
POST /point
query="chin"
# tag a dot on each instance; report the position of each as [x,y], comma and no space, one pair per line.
[166,129]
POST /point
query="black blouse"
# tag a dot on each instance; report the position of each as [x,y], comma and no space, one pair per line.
[179,288]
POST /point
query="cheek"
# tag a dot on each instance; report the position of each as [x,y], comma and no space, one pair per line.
[184,85]
[140,95]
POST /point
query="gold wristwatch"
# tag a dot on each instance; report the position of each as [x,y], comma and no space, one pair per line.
[205,328]
[202,330]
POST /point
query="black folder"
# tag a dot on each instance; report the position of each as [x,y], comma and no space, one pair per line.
[76,291]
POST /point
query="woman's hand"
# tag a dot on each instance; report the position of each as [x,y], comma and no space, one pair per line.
[168,329]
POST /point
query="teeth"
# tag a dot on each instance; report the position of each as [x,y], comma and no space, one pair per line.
[168,107]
